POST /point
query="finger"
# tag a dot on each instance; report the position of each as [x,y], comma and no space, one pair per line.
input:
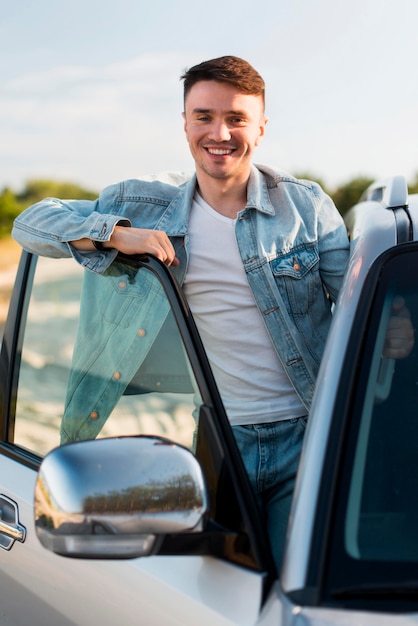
[399,308]
[169,254]
[398,302]
[165,250]
[399,338]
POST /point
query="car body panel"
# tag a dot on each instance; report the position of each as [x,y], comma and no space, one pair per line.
[191,589]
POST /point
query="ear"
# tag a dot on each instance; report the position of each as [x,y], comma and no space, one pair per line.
[262,129]
[184,122]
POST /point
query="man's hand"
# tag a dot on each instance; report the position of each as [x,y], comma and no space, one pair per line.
[143,241]
[136,241]
[400,334]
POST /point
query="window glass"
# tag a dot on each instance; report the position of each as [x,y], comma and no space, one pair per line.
[382,511]
[381,515]
[102,356]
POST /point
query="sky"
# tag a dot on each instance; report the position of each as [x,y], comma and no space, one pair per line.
[90,90]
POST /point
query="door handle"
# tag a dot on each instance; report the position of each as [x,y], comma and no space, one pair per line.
[11,529]
[16,531]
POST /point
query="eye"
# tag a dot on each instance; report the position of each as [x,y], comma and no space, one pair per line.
[202,117]
[237,121]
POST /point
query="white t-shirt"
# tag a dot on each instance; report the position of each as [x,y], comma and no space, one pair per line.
[253,385]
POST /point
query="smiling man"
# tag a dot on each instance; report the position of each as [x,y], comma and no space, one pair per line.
[223,127]
[260,254]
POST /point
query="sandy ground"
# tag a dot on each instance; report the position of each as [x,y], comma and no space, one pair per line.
[10,252]
[9,260]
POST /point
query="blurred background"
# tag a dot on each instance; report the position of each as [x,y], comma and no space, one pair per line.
[90,91]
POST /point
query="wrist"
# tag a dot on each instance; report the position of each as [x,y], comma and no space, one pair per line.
[109,243]
[99,245]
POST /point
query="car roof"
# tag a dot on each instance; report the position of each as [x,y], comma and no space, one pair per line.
[385,216]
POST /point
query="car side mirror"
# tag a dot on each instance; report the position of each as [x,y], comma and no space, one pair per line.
[118,497]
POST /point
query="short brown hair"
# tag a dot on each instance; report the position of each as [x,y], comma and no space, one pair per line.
[226,69]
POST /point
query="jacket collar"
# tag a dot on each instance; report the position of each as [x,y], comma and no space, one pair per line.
[258,196]
[175,219]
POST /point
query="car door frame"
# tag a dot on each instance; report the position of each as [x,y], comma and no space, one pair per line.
[25,463]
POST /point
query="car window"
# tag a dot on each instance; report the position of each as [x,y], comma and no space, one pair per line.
[101,356]
[382,507]
[377,512]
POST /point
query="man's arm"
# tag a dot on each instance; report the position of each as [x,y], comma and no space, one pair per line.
[64,228]
[134,241]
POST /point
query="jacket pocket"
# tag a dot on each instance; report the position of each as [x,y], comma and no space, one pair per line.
[297,277]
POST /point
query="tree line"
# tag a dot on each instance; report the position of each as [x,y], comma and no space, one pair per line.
[12,203]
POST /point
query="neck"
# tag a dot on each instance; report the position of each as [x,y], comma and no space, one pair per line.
[225,197]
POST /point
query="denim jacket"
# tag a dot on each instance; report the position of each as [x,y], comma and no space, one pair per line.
[294,249]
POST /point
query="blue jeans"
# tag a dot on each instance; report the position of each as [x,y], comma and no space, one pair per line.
[271,454]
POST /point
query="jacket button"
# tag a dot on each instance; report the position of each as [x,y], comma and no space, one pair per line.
[122,284]
[296,267]
[116,375]
[141,332]
[94,415]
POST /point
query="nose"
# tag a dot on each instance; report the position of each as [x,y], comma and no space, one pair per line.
[219,131]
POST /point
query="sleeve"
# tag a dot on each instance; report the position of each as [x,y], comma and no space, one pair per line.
[47,228]
[333,243]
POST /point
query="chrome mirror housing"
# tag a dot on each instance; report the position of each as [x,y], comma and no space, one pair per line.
[118,497]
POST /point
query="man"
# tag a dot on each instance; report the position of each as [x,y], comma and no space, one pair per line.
[260,255]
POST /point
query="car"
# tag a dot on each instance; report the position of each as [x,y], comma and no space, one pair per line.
[149,517]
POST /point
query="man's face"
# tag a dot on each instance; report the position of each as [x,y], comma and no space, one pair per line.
[223,126]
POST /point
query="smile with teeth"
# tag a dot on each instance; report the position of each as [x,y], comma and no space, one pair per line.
[220,151]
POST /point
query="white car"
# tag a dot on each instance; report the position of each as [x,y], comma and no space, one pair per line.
[153,522]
